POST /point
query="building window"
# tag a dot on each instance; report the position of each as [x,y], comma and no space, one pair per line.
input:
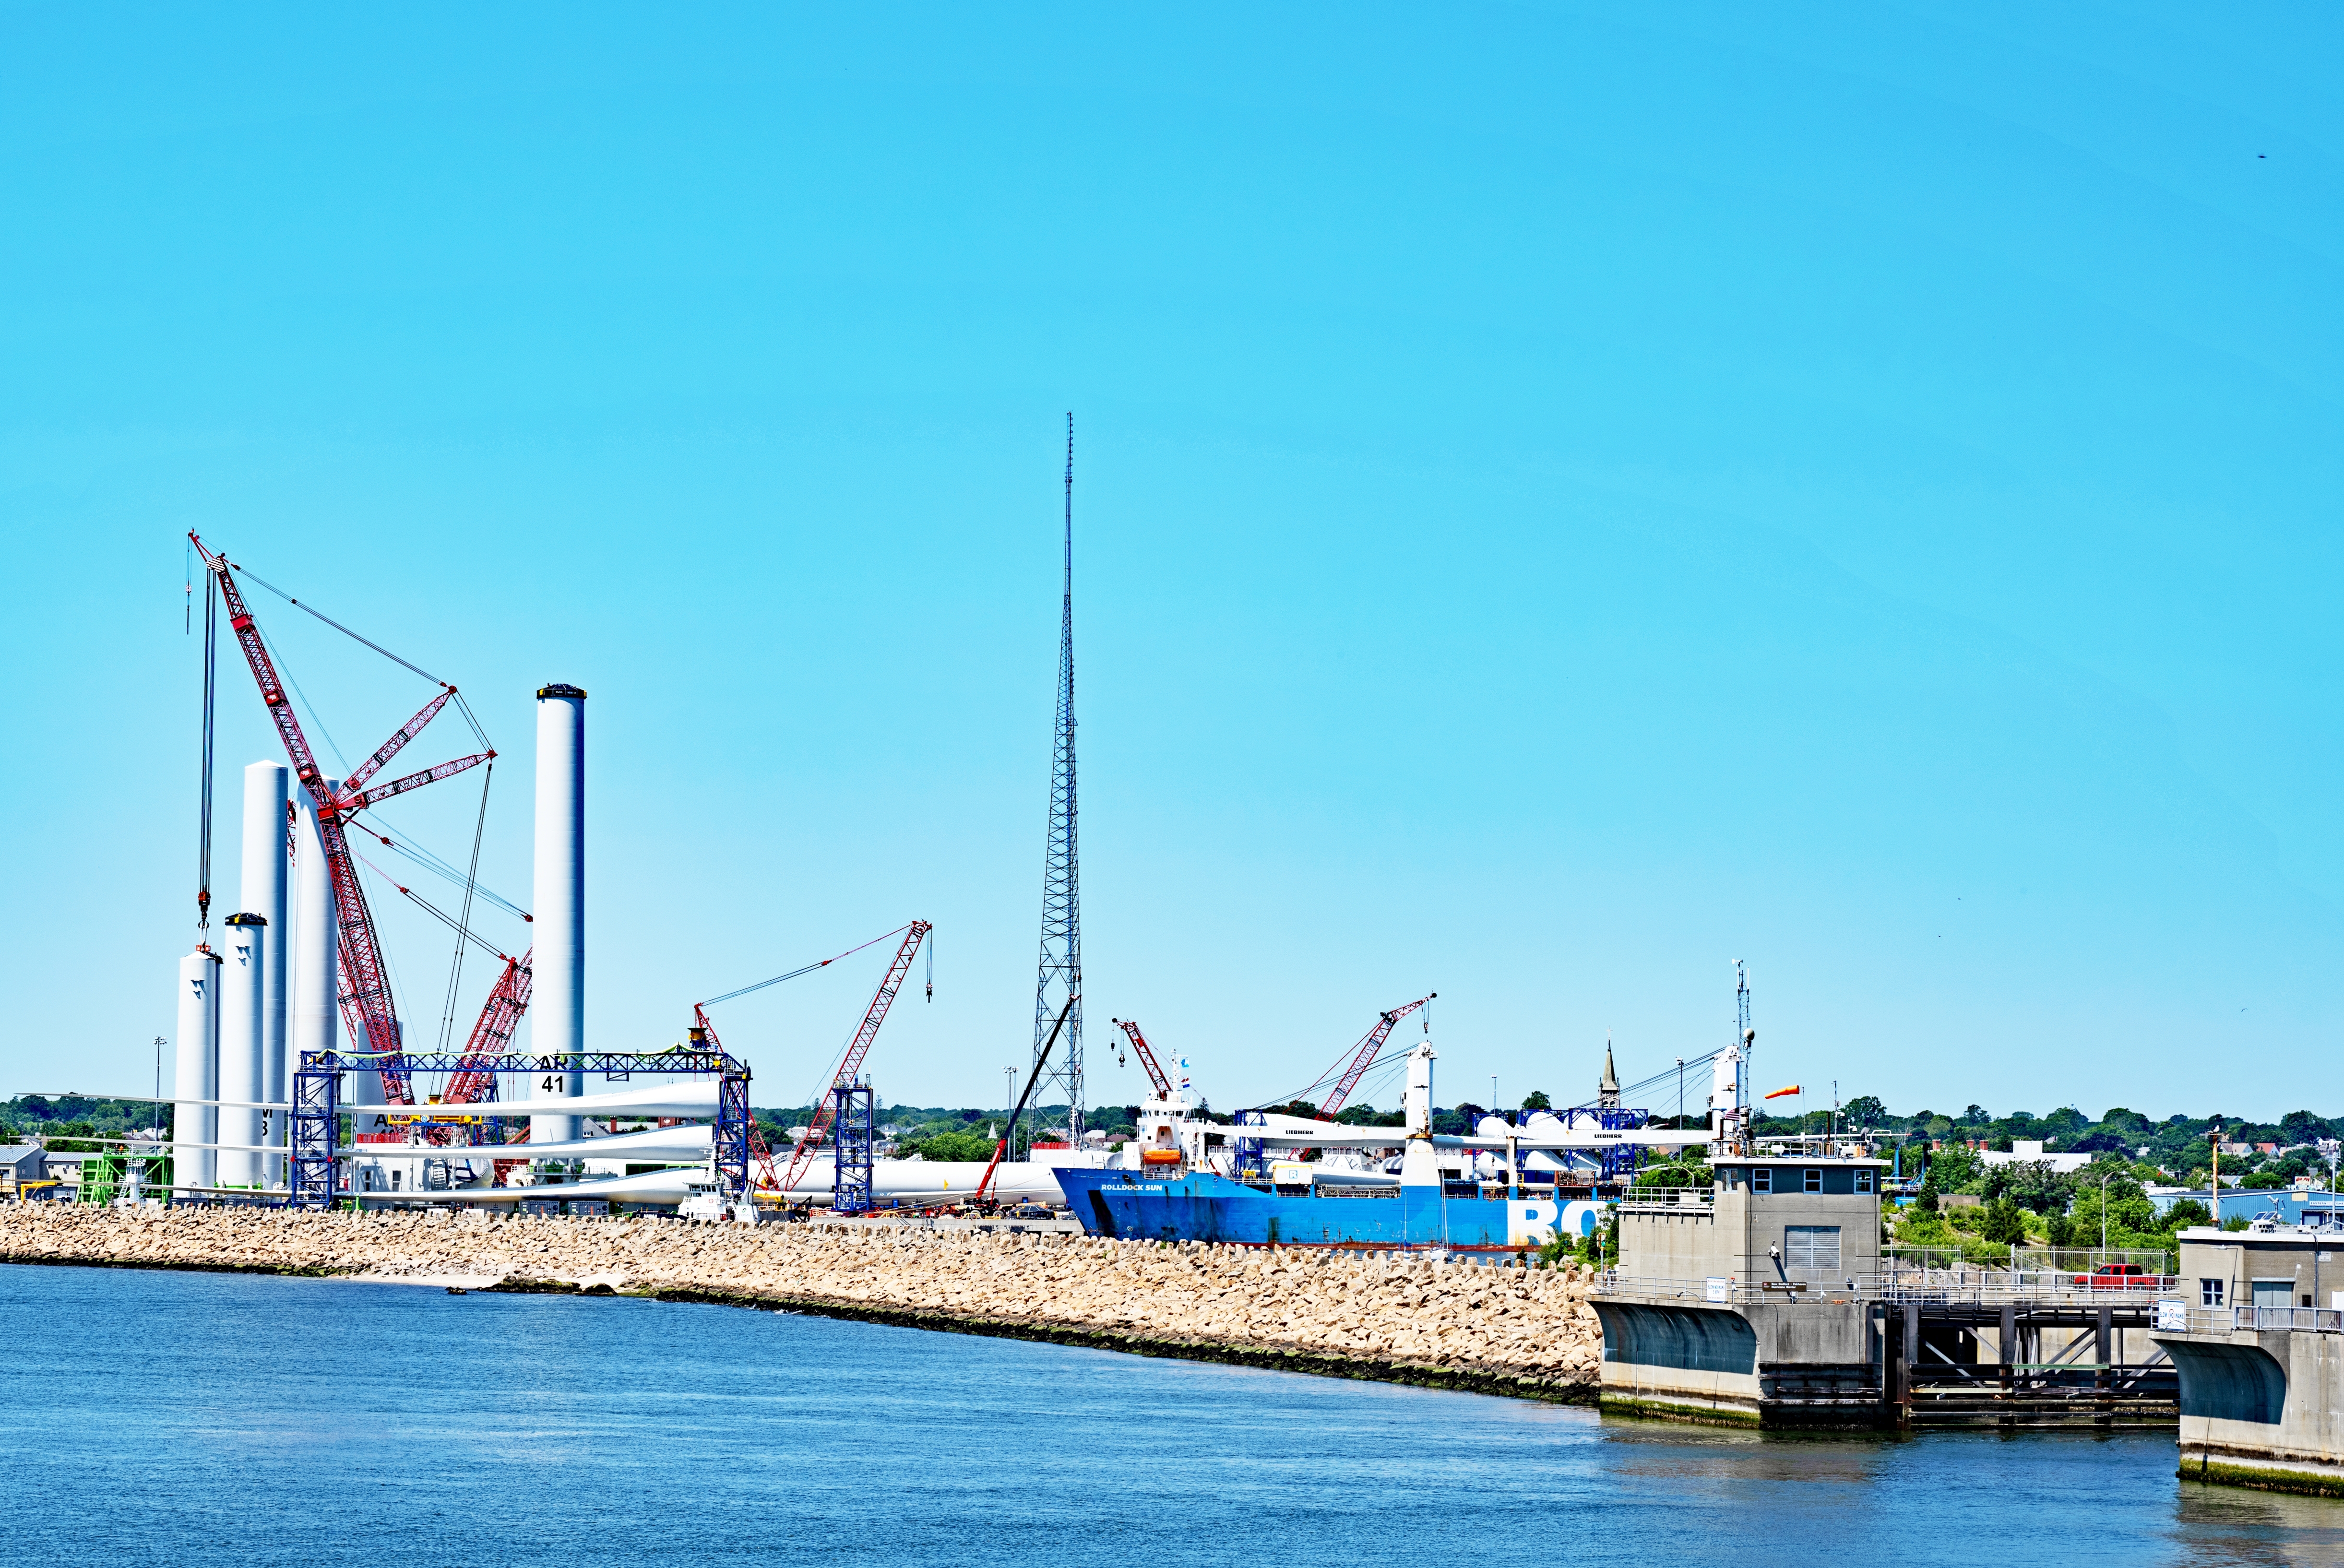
[1762,1178]
[1864,1181]
[2209,1293]
[1815,1182]
[1811,1248]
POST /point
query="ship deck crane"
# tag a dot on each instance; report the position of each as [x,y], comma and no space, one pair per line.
[1363,1055]
[1147,1058]
[369,1007]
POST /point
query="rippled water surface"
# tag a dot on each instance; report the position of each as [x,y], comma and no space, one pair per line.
[196,1419]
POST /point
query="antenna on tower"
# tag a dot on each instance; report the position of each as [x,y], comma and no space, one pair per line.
[1058,980]
[1744,1041]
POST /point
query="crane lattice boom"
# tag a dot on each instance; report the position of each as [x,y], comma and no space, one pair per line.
[366,997]
[849,1065]
[492,1032]
[1147,1058]
[1363,1056]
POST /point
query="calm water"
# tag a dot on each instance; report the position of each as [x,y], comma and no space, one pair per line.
[194,1420]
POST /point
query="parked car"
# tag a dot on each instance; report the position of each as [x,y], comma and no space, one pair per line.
[2120,1277]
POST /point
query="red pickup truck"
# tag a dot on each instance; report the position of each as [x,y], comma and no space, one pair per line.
[2120,1277]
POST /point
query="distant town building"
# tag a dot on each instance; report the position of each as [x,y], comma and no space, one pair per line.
[2029,1151]
[20,1163]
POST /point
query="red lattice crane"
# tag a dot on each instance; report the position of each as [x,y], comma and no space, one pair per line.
[1363,1055]
[849,1065]
[492,1034]
[369,1012]
[1147,1058]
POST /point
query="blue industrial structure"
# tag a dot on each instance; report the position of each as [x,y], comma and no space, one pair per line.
[316,1164]
[1616,1160]
[1251,1163]
[849,1166]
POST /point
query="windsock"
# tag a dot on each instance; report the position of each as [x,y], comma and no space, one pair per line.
[1792,1089]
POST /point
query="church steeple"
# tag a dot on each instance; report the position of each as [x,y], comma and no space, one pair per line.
[1607,1093]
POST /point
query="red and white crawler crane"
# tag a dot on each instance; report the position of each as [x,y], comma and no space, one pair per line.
[369,1009]
[1363,1056]
[849,1065]
[704,1032]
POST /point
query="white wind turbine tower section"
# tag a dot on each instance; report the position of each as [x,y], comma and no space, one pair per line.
[243,980]
[195,1076]
[558,1007]
[263,893]
[311,1016]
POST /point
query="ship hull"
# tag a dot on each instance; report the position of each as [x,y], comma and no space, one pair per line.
[1203,1207]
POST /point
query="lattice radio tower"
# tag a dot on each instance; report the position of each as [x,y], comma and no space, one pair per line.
[1060,975]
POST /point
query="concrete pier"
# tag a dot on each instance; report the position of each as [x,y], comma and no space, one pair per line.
[1764,1299]
[1739,1302]
[2262,1408]
[1775,1363]
[2261,1365]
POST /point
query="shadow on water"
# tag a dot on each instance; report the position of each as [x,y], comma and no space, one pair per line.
[205,1420]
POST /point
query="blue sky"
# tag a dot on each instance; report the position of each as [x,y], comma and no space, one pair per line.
[1567,499]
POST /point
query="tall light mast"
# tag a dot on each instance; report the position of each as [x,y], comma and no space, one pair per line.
[1059,979]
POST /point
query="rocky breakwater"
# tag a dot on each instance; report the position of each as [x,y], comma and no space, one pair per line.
[1526,1332]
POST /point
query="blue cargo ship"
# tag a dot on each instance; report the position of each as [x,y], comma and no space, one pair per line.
[1167,1189]
[1202,1206]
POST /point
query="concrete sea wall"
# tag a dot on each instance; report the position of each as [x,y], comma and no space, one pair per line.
[2262,1408]
[1525,1332]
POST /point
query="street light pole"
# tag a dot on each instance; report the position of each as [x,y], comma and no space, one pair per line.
[2217,1193]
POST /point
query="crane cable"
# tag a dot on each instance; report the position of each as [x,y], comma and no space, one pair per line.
[810,969]
[438,868]
[252,576]
[211,689]
[422,857]
[431,909]
[464,915]
[461,706]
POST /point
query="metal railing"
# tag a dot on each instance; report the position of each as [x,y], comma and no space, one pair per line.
[2084,1260]
[2182,1317]
[1932,1287]
[2018,1287]
[1975,1252]
[1668,1198]
[1726,1291]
